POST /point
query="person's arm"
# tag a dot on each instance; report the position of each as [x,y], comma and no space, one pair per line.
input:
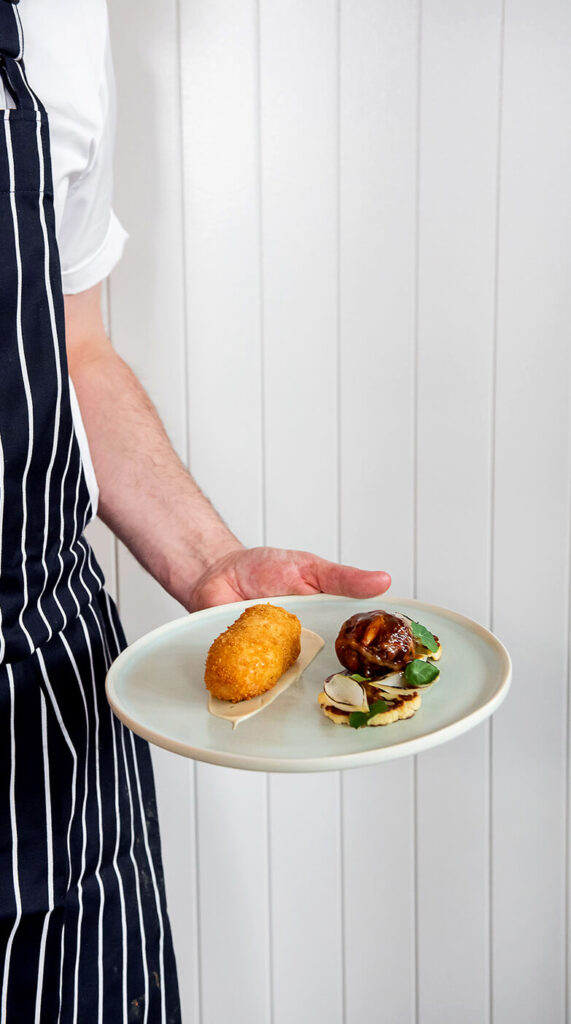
[154,506]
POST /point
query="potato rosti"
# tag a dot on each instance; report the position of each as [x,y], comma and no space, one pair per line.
[397,707]
[251,655]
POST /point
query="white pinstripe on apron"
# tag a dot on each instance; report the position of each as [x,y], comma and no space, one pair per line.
[84,935]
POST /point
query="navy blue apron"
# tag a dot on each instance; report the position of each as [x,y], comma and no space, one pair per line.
[84,934]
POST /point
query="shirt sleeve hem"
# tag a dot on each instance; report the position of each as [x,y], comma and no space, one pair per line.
[100,264]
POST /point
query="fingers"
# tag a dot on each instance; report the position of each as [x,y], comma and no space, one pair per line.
[345,580]
[267,572]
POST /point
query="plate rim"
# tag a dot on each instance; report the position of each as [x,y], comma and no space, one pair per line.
[329,762]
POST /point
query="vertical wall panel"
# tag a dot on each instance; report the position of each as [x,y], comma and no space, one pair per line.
[219,50]
[378,143]
[378,135]
[233,875]
[379,895]
[272,283]
[146,312]
[219,47]
[178,822]
[298,81]
[299,216]
[567,872]
[146,296]
[532,502]
[459,112]
[307,978]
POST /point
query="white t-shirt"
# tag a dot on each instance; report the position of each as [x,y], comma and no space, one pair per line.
[68,64]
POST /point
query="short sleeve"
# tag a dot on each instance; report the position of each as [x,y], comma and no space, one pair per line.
[68,62]
[97,264]
[90,236]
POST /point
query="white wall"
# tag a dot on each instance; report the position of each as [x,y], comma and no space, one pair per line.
[349,268]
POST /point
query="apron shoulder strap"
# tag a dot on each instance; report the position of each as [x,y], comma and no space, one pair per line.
[11,37]
[11,58]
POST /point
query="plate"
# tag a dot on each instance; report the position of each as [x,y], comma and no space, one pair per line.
[156,687]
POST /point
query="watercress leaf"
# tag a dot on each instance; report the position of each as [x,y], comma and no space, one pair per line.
[420,673]
[358,718]
[378,707]
[424,636]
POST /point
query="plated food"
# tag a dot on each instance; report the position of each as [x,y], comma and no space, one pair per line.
[251,655]
[156,687]
[258,657]
[348,702]
[387,659]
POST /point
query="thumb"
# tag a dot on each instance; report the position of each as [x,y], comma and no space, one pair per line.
[344,580]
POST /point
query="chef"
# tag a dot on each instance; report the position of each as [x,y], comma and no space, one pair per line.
[84,933]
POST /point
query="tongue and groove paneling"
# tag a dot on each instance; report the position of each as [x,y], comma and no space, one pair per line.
[460,95]
[299,138]
[220,126]
[378,105]
[146,321]
[349,252]
[531,549]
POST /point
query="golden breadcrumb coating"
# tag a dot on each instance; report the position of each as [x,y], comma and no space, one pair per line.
[251,655]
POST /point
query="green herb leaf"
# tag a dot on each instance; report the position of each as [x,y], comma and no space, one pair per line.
[378,707]
[420,673]
[359,718]
[358,678]
[424,636]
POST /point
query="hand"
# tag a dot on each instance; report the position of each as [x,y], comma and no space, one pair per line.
[271,572]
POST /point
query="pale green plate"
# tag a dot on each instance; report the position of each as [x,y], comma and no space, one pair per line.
[156,687]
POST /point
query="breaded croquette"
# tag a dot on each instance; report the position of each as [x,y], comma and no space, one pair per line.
[251,655]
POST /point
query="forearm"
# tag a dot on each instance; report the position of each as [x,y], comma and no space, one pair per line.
[150,501]
[147,497]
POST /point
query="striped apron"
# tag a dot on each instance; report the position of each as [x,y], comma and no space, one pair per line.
[84,935]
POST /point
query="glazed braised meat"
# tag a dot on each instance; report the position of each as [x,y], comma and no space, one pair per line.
[371,643]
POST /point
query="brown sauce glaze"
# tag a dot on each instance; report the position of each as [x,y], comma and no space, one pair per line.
[370,641]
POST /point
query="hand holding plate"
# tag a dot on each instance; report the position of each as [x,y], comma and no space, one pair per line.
[269,572]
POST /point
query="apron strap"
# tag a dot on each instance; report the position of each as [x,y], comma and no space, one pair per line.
[11,37]
[12,68]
